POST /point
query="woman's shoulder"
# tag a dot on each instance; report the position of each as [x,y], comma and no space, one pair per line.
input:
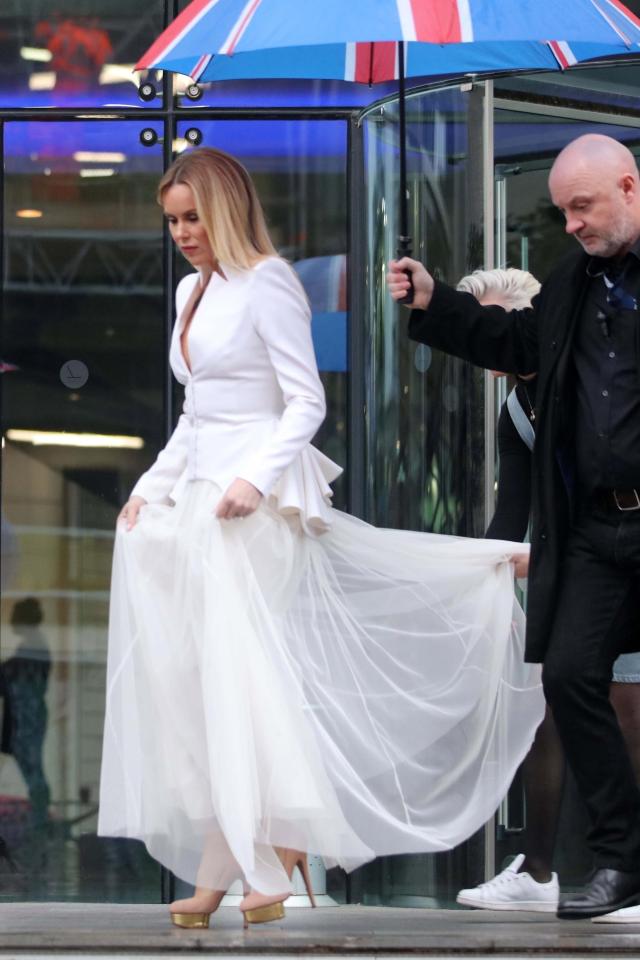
[272,266]
[276,272]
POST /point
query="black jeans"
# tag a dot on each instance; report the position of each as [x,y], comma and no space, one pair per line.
[598,610]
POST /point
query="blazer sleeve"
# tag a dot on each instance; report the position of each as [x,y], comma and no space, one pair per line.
[490,337]
[282,319]
[158,481]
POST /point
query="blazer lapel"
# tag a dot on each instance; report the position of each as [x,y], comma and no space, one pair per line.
[187,314]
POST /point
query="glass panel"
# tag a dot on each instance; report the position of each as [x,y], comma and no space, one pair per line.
[299,168]
[425,421]
[82,407]
[74,52]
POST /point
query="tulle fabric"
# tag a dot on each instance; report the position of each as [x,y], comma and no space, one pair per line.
[357,693]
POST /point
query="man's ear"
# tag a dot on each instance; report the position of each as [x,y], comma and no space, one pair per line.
[629,185]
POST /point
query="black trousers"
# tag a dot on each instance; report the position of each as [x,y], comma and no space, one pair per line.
[597,612]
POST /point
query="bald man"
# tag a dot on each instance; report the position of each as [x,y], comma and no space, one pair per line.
[582,336]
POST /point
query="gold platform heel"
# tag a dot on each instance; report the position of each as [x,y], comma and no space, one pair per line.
[272,908]
[198,919]
[265,913]
[191,921]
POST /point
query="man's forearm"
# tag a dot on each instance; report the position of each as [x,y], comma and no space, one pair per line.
[490,337]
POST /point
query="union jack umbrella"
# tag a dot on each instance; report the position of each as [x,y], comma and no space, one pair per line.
[368,41]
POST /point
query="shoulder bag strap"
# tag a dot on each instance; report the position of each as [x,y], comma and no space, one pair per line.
[520,420]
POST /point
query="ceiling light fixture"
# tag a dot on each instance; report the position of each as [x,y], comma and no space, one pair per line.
[98,156]
[94,172]
[38,54]
[52,438]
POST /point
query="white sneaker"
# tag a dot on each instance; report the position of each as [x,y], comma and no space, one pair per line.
[511,890]
[625,915]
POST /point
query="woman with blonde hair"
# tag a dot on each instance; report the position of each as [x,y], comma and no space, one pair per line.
[282,677]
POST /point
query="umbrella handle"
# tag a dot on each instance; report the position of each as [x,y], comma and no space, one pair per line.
[404,240]
[405,250]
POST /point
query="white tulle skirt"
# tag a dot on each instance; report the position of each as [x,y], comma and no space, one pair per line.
[354,694]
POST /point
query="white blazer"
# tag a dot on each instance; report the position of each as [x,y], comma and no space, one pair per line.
[253,397]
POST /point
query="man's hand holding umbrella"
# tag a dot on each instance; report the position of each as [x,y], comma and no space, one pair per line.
[398,281]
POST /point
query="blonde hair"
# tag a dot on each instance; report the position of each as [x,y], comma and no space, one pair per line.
[226,203]
[516,287]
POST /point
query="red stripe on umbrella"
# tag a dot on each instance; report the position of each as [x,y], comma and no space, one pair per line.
[385,62]
[363,72]
[174,32]
[375,62]
[626,13]
[437,21]
[614,26]
[562,53]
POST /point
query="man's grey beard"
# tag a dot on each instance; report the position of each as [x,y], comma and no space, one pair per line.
[621,237]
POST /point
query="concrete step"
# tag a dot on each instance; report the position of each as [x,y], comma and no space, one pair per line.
[29,930]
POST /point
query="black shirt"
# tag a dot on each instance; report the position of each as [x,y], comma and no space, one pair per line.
[607,421]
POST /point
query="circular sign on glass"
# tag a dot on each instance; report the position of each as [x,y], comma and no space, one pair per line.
[74,374]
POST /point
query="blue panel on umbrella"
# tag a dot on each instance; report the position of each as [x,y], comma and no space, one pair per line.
[322,63]
[427,59]
[280,23]
[571,20]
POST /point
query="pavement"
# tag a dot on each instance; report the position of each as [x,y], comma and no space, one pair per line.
[74,930]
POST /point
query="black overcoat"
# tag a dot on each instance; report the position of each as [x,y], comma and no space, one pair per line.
[525,341]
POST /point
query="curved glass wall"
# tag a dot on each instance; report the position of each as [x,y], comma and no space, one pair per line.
[425,415]
[424,425]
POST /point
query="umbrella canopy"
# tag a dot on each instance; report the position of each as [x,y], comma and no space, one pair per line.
[372,63]
[236,26]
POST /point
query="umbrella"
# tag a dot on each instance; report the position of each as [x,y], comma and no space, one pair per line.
[372,63]
[369,41]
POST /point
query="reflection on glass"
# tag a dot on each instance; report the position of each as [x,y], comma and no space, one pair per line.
[299,168]
[425,423]
[82,414]
[74,54]
[23,681]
